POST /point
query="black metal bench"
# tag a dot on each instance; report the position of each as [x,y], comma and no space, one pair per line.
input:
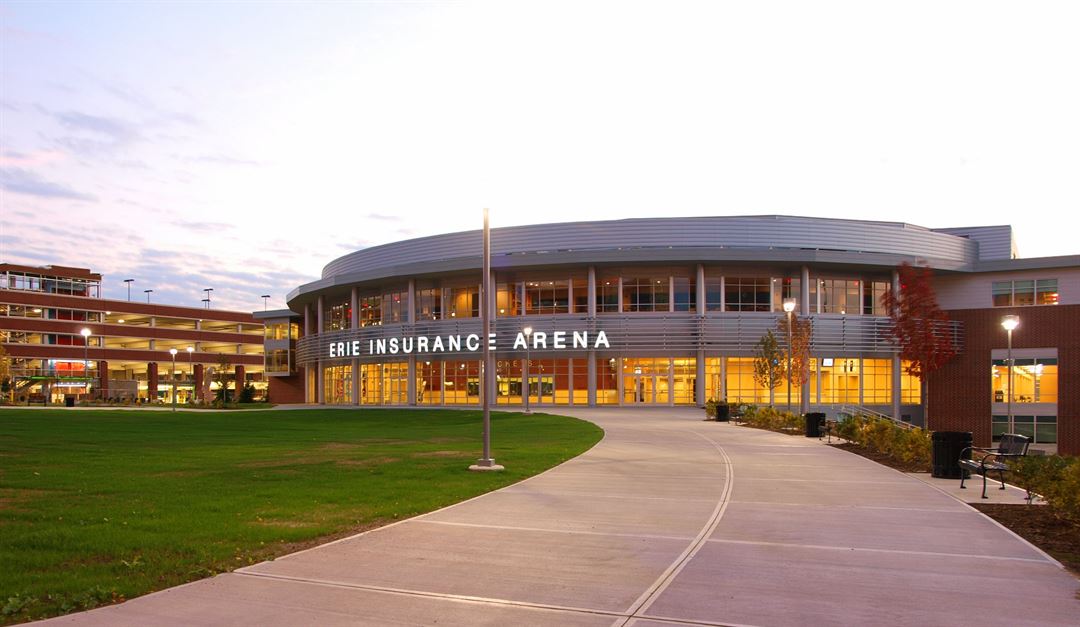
[1012,446]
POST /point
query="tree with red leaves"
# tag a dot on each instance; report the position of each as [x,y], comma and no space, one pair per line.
[919,327]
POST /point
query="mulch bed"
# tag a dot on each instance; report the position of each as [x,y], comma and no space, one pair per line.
[1035,523]
[1038,525]
[882,458]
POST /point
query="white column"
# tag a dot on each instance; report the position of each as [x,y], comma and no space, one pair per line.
[591,355]
[354,323]
[699,371]
[320,393]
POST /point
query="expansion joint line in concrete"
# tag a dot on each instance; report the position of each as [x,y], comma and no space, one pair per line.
[457,598]
[642,604]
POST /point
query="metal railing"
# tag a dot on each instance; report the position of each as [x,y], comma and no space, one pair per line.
[850,411]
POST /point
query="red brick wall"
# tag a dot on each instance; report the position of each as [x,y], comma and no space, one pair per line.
[286,389]
[960,393]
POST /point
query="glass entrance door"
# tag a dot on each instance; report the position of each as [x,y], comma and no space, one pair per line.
[541,389]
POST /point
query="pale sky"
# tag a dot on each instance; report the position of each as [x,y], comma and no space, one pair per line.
[243,145]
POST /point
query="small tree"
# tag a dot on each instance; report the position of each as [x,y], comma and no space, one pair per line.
[919,327]
[247,394]
[221,377]
[769,362]
[802,332]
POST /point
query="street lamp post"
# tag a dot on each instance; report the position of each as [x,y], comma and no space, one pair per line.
[191,369]
[264,297]
[207,299]
[789,307]
[147,292]
[86,358]
[129,282]
[172,351]
[1010,323]
[525,388]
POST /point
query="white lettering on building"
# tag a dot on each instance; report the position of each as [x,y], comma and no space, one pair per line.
[453,343]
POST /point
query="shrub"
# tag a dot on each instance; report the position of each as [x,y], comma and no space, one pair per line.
[710,408]
[885,436]
[1056,478]
[772,419]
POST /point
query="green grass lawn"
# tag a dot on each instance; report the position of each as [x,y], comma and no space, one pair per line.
[97,506]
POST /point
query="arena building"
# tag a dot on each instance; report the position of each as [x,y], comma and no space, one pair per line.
[668,311]
[65,342]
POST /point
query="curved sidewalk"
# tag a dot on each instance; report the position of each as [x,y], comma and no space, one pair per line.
[668,521]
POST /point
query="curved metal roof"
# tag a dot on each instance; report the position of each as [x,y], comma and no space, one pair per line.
[770,238]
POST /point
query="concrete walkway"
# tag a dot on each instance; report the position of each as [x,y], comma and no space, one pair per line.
[668,521]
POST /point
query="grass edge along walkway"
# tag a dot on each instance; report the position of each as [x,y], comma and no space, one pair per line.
[101,506]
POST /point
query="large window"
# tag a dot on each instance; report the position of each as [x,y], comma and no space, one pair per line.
[747,294]
[370,311]
[337,385]
[1041,429]
[580,296]
[714,296]
[645,294]
[429,304]
[507,299]
[1034,380]
[1026,292]
[547,297]
[839,296]
[282,331]
[394,306]
[607,295]
[873,292]
[337,317]
[463,302]
[786,288]
[877,381]
[685,293]
[277,360]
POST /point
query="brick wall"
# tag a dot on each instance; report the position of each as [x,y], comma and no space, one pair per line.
[285,390]
[960,395]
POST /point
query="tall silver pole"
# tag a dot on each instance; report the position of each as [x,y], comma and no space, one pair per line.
[1011,429]
[789,362]
[486,462]
[174,381]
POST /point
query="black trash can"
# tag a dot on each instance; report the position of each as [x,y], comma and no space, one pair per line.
[723,412]
[69,400]
[945,453]
[814,420]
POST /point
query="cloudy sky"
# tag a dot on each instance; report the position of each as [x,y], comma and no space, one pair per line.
[243,145]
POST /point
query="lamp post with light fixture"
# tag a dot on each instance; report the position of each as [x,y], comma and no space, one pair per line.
[191,369]
[172,351]
[86,357]
[264,297]
[207,299]
[789,306]
[525,370]
[129,282]
[1009,323]
[147,292]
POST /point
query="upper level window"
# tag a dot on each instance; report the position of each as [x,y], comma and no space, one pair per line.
[429,304]
[714,296]
[786,288]
[607,295]
[646,294]
[281,331]
[1025,292]
[839,296]
[507,299]
[873,292]
[394,305]
[338,317]
[370,311]
[685,294]
[747,294]
[463,302]
[547,297]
